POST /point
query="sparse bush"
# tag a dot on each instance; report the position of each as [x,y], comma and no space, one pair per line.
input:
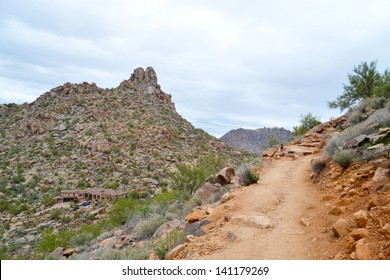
[147,227]
[246,175]
[318,165]
[129,253]
[343,158]
[113,185]
[188,179]
[18,179]
[167,242]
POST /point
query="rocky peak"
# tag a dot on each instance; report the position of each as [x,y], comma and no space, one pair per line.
[145,81]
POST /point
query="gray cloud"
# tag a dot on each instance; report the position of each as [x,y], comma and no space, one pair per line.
[228,64]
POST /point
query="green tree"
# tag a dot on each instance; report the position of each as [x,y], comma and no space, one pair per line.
[307,121]
[361,86]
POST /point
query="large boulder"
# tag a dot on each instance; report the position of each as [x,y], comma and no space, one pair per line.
[226,175]
[207,191]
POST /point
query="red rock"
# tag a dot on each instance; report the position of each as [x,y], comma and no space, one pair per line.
[361,218]
[362,251]
[359,233]
[196,215]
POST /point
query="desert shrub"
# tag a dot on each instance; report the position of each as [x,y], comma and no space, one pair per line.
[50,241]
[121,211]
[167,242]
[18,179]
[147,227]
[113,185]
[188,178]
[129,253]
[307,122]
[246,175]
[318,165]
[343,158]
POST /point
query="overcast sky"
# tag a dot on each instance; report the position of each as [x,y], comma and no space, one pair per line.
[227,64]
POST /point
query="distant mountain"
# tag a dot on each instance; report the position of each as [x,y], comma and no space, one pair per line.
[255,140]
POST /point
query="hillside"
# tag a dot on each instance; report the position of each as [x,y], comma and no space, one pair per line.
[125,140]
[257,140]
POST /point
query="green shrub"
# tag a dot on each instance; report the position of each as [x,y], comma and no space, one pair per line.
[188,179]
[318,165]
[50,241]
[121,211]
[18,179]
[343,158]
[167,242]
[113,185]
[307,122]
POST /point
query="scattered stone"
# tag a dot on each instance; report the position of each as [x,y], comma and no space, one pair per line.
[361,218]
[359,233]
[344,202]
[226,197]
[337,210]
[69,252]
[231,236]
[305,222]
[362,251]
[340,227]
[386,230]
[196,215]
[257,221]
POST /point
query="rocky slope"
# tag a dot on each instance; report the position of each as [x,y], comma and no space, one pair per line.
[78,136]
[257,140]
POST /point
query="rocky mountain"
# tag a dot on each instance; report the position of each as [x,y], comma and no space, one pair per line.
[255,140]
[80,136]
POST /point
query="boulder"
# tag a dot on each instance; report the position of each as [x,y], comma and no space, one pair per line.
[361,218]
[58,253]
[340,227]
[207,191]
[167,228]
[226,175]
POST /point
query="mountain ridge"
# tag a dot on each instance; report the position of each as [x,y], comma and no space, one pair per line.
[255,140]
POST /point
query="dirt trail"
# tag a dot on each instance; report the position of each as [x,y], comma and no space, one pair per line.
[286,196]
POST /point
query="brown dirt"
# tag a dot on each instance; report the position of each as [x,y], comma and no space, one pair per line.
[285,194]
